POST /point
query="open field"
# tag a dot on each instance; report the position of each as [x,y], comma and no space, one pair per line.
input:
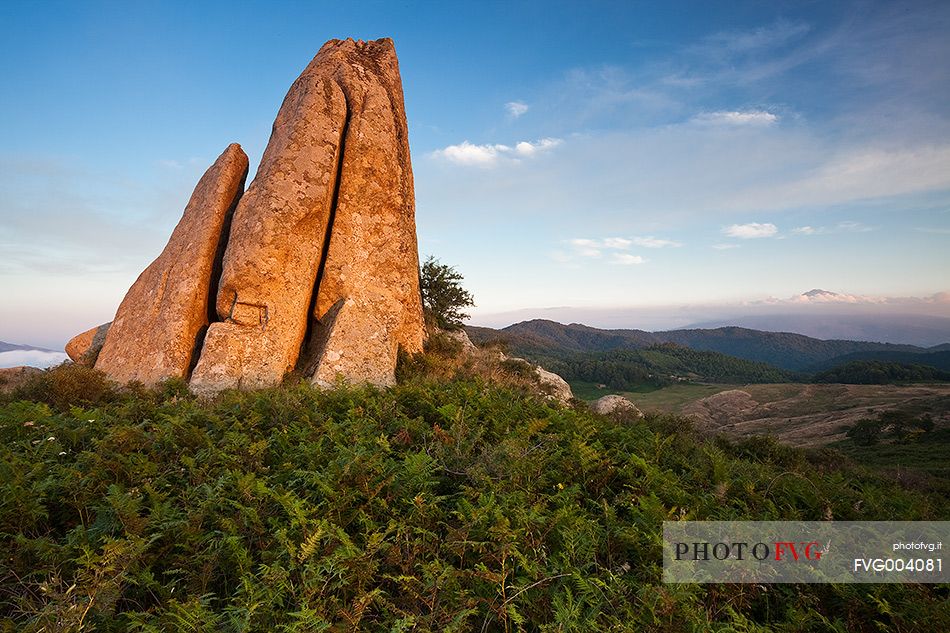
[591,390]
[797,414]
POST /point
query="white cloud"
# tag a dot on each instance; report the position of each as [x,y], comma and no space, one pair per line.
[470,154]
[804,230]
[585,247]
[654,242]
[516,108]
[747,117]
[31,358]
[751,230]
[617,242]
[724,247]
[626,259]
[591,248]
[525,148]
[466,153]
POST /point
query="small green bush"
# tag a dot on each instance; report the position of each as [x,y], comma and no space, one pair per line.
[68,385]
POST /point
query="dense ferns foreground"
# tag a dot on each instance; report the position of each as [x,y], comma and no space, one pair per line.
[443,504]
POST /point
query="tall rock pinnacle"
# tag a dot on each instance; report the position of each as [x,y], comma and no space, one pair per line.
[155,330]
[322,257]
[321,269]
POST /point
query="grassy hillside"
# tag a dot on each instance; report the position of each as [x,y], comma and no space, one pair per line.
[456,501]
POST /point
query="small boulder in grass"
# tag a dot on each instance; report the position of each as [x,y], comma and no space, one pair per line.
[555,386]
[614,404]
[460,337]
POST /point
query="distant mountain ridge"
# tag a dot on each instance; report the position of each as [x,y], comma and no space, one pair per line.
[786,350]
[910,329]
[13,347]
[14,355]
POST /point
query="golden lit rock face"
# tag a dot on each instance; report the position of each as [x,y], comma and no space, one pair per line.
[321,268]
[372,267]
[322,257]
[166,310]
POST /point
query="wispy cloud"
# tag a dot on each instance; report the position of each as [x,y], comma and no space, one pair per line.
[62,218]
[846,226]
[760,118]
[587,248]
[751,230]
[617,242]
[858,174]
[169,163]
[516,108]
[724,247]
[850,226]
[594,246]
[773,35]
[655,242]
[470,154]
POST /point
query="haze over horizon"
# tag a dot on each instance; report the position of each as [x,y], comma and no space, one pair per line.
[641,166]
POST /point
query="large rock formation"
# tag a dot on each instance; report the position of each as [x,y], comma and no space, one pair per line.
[158,324]
[322,257]
[320,271]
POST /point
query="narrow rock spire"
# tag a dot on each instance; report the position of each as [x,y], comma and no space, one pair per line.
[165,312]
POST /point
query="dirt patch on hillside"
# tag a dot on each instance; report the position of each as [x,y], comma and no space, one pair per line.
[811,415]
[723,408]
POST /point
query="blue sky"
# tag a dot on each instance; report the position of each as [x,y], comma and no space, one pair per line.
[590,155]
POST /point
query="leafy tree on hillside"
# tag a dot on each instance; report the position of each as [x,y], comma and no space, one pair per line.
[901,426]
[443,297]
[866,432]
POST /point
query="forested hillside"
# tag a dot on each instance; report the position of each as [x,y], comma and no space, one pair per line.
[657,365]
[784,350]
[873,372]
